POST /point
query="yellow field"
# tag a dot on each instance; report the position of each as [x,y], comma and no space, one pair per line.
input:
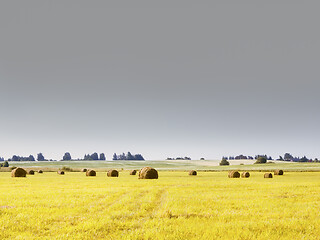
[176,206]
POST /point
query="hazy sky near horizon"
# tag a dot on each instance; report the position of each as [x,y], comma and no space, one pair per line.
[160,78]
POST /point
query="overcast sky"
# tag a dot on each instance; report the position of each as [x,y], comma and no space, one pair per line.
[160,78]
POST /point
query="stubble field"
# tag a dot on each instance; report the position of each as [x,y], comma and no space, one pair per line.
[175,206]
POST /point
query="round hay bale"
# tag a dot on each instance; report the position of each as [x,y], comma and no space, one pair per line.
[133,172]
[40,171]
[18,172]
[234,174]
[91,173]
[148,173]
[60,172]
[193,173]
[268,175]
[30,172]
[113,173]
[278,172]
[84,170]
[245,175]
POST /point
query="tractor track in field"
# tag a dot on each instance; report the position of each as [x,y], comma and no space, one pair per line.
[156,206]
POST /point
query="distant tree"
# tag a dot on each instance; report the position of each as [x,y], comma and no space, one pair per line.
[67,156]
[102,156]
[257,156]
[241,156]
[40,157]
[288,157]
[303,159]
[138,157]
[224,162]
[261,159]
[94,156]
[129,156]
[31,158]
[5,164]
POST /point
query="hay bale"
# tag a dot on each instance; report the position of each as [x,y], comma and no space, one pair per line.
[18,172]
[148,173]
[278,172]
[84,170]
[60,172]
[268,175]
[91,173]
[193,173]
[30,172]
[234,174]
[133,172]
[112,173]
[245,175]
[40,171]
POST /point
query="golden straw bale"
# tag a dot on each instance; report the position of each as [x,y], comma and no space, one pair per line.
[18,172]
[113,173]
[148,173]
[193,173]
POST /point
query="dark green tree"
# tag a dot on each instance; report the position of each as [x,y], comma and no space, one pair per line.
[288,157]
[261,160]
[224,162]
[40,157]
[67,156]
[138,157]
[102,156]
[94,156]
[304,159]
[129,156]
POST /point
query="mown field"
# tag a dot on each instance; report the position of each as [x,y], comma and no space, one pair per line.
[205,165]
[175,206]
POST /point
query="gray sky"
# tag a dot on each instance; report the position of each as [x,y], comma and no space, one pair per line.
[165,79]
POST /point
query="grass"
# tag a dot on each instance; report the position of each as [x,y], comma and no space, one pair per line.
[204,165]
[176,206]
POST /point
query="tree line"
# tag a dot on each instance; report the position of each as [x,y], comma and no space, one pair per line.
[243,157]
[67,157]
[31,158]
[179,158]
[128,156]
[94,156]
[290,158]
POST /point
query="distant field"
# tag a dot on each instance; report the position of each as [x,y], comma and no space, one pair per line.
[208,165]
[175,206]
